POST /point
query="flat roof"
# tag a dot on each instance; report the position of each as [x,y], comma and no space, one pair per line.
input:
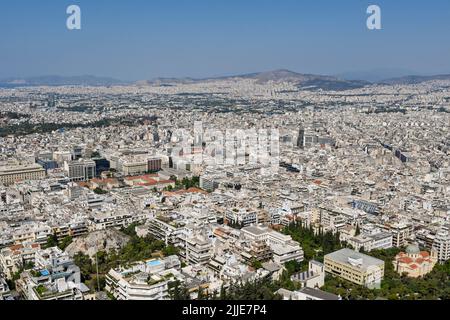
[319,294]
[342,256]
[255,230]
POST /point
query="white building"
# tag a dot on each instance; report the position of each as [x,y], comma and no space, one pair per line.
[441,245]
[198,250]
[284,249]
[369,242]
[144,281]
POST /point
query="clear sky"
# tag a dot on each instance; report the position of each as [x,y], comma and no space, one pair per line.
[144,39]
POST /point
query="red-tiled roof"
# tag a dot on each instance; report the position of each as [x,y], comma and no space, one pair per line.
[143,177]
[16,247]
[407,260]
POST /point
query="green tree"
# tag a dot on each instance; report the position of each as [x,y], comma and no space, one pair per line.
[170,251]
[52,241]
[256,264]
[178,291]
[358,231]
[64,243]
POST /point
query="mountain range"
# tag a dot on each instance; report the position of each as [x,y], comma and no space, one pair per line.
[301,81]
[86,80]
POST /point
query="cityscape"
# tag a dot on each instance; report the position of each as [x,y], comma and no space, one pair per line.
[267,185]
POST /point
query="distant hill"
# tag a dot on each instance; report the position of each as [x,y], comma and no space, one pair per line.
[414,79]
[166,81]
[376,75]
[86,80]
[303,81]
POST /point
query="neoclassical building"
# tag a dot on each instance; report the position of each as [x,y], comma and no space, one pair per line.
[415,263]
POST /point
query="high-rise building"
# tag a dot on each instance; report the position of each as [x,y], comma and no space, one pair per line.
[301,138]
[101,165]
[154,164]
[77,153]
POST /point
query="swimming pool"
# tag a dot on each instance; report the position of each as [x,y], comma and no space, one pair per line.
[45,272]
[154,263]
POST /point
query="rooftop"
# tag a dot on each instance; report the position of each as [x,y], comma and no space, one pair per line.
[344,256]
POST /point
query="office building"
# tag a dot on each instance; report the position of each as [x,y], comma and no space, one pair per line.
[12,174]
[355,267]
[80,170]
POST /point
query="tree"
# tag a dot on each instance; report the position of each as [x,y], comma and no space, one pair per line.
[260,289]
[256,264]
[65,243]
[52,241]
[100,191]
[202,294]
[178,291]
[223,293]
[358,231]
[130,230]
[315,245]
[170,251]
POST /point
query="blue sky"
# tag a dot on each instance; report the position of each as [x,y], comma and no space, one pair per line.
[144,39]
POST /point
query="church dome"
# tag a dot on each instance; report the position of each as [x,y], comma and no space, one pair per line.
[412,249]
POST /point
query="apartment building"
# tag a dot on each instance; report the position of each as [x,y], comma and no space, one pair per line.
[101,220]
[283,248]
[400,233]
[242,217]
[198,250]
[73,229]
[331,220]
[355,267]
[441,245]
[37,233]
[369,242]
[46,288]
[167,229]
[149,280]
[15,257]
[54,277]
[5,294]
[256,250]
